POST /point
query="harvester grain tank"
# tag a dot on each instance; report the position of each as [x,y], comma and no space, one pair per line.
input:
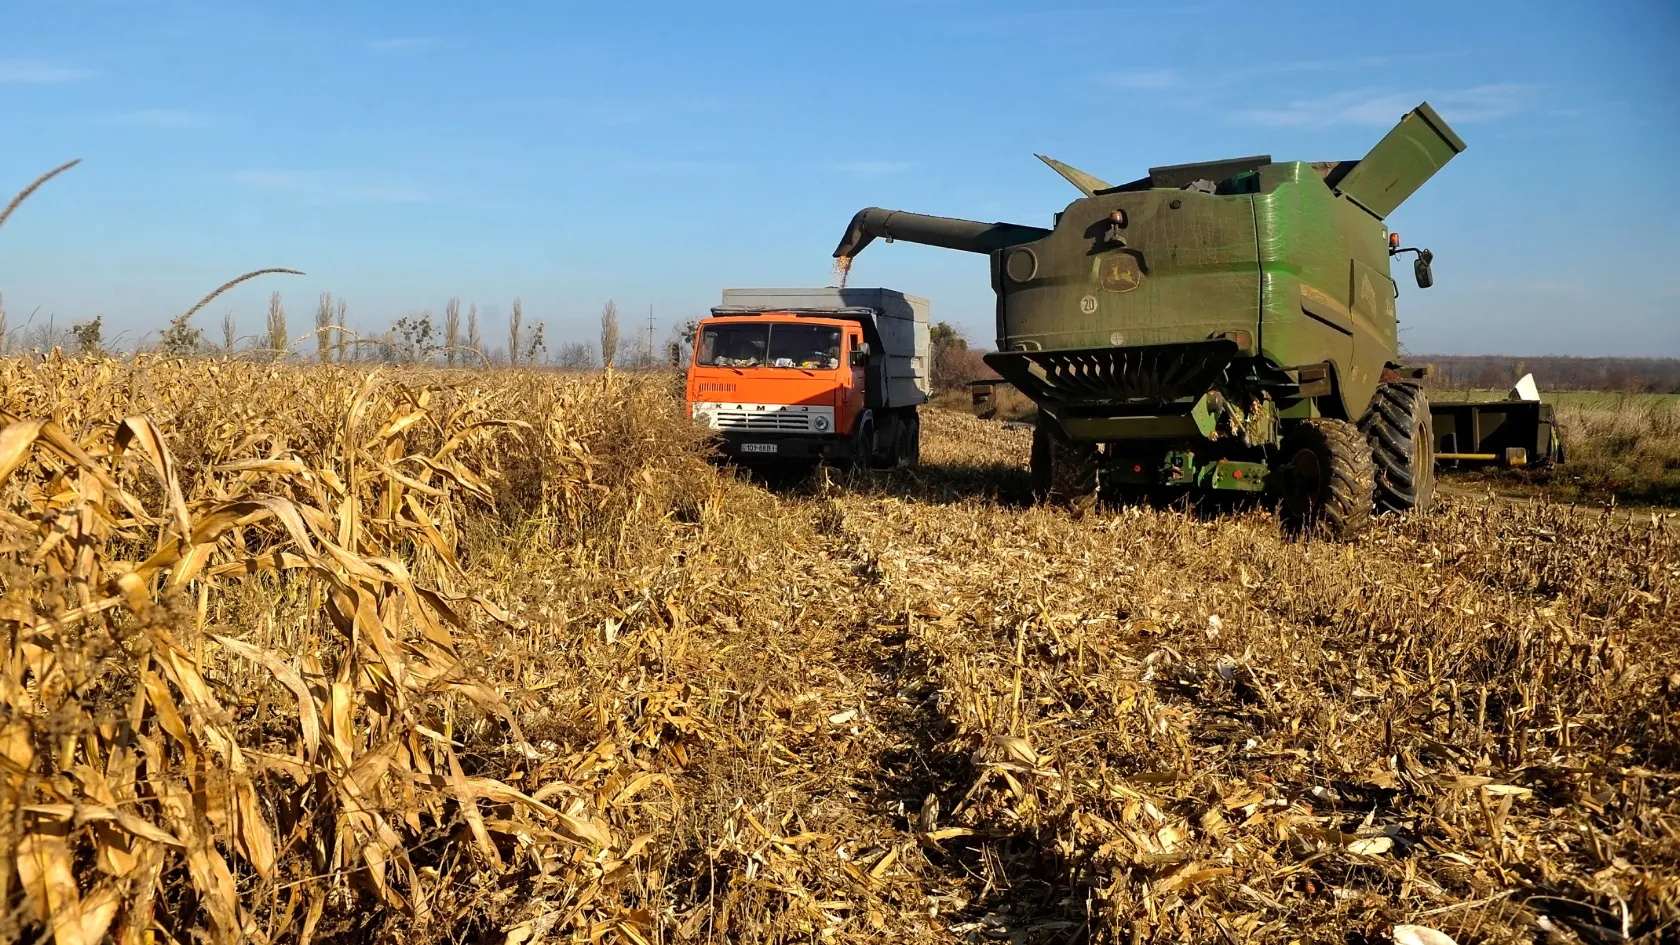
[1224,325]
[789,376]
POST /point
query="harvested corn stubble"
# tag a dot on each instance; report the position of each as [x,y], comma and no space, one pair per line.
[344,655]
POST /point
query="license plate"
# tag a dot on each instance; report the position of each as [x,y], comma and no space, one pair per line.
[758,447]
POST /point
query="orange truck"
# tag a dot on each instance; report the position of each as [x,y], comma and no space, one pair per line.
[789,376]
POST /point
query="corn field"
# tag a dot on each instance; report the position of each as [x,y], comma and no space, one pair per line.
[327,654]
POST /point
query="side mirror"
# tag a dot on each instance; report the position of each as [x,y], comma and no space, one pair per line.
[860,355]
[1420,269]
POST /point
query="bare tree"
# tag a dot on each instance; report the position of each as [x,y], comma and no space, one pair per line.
[451,329]
[575,356]
[228,337]
[278,340]
[538,344]
[323,328]
[342,339]
[180,338]
[90,336]
[513,332]
[609,333]
[473,340]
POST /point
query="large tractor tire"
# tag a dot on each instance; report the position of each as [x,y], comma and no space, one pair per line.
[1064,473]
[1402,439]
[1327,477]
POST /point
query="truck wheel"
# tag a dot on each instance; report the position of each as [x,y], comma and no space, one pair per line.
[1402,438]
[1326,478]
[861,447]
[908,444]
[889,442]
[1064,473]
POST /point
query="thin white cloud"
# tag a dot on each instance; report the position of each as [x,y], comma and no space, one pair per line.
[41,72]
[1358,106]
[276,180]
[1548,287]
[1375,108]
[678,166]
[1485,102]
[1146,79]
[872,168]
[1166,78]
[403,44]
[327,187]
[390,194]
[162,119]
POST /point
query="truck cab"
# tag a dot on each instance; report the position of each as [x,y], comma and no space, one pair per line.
[805,382]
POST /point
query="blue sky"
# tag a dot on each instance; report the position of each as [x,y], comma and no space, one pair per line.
[652,153]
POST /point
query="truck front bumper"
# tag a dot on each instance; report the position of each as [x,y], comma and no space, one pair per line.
[772,447]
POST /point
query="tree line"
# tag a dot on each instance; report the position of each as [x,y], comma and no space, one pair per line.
[453,340]
[1492,372]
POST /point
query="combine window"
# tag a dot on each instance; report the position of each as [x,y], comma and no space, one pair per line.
[770,345]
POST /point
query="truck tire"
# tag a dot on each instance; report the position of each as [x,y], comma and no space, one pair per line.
[909,440]
[1402,438]
[889,442]
[1327,479]
[861,451]
[1064,473]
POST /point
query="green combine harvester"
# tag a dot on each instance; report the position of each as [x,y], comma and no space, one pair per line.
[1224,325]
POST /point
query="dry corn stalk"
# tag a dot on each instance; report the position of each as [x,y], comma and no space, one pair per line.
[125,745]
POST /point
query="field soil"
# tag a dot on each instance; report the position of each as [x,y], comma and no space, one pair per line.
[319,654]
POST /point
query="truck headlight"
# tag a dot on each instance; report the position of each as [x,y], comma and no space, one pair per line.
[821,423]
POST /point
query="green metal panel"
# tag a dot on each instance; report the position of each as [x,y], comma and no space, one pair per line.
[1303,258]
[1184,468]
[1400,163]
[1183,266]
[1317,254]
[1234,474]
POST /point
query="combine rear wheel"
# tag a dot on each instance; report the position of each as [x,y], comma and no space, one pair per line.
[1064,473]
[1326,477]
[1402,439]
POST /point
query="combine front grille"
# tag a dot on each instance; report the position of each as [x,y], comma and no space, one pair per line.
[1109,375]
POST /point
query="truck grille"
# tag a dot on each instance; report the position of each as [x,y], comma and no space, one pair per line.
[768,418]
[1106,375]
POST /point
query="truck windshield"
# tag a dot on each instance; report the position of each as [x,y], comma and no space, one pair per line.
[770,345]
